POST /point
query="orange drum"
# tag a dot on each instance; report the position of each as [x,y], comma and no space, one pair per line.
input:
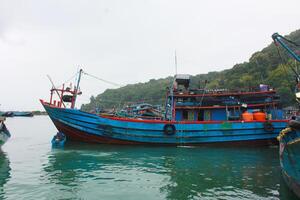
[259,116]
[247,116]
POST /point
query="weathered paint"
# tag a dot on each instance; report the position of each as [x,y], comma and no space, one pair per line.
[219,114]
[290,160]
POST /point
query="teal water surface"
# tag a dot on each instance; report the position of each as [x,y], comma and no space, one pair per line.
[31,169]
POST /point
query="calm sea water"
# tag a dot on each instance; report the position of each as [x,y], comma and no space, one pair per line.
[31,169]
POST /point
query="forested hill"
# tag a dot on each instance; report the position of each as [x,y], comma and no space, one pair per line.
[264,67]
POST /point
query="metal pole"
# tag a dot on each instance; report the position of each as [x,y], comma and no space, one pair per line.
[278,38]
[76,89]
[175,63]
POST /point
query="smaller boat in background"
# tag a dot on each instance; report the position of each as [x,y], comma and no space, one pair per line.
[4,133]
[22,114]
[7,114]
[59,140]
[16,114]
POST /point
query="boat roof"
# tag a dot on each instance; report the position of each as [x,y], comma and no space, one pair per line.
[182,76]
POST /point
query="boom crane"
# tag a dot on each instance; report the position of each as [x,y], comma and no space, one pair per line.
[279,39]
[282,41]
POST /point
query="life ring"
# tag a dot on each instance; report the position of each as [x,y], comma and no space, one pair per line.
[169,129]
[268,126]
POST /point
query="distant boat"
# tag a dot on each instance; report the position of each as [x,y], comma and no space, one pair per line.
[22,114]
[16,114]
[193,117]
[8,114]
[4,133]
[289,140]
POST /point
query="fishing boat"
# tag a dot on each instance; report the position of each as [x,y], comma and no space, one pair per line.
[8,114]
[289,138]
[192,117]
[4,133]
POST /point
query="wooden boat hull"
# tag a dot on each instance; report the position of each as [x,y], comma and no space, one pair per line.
[87,127]
[289,153]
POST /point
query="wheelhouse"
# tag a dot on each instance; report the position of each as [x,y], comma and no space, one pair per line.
[187,104]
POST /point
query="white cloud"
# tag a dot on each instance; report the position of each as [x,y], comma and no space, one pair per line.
[127,41]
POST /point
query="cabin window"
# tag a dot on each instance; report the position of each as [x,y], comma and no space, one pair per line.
[233,114]
[207,115]
[191,115]
[185,115]
[178,116]
[188,115]
[200,115]
[179,100]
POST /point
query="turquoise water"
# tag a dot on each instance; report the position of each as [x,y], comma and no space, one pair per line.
[31,169]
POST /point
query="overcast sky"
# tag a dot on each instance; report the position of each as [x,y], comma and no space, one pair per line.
[127,41]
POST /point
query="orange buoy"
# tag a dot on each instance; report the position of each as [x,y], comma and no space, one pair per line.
[247,116]
[260,116]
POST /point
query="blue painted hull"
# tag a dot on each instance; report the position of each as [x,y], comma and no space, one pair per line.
[290,160]
[82,126]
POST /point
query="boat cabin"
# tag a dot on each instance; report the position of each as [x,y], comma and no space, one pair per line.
[187,104]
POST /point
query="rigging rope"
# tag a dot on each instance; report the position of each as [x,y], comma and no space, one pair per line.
[68,80]
[93,76]
[100,79]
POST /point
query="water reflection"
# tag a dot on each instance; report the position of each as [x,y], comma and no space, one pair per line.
[222,173]
[4,172]
[166,172]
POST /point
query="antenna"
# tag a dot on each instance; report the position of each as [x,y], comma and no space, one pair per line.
[77,88]
[175,63]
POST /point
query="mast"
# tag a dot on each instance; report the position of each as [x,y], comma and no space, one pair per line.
[175,63]
[172,90]
[172,106]
[76,89]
